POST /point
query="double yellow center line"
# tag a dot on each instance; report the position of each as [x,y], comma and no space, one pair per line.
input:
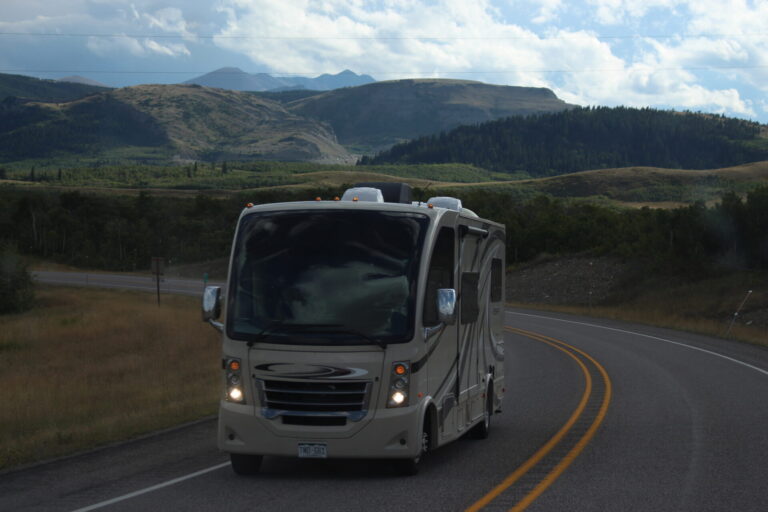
[582,359]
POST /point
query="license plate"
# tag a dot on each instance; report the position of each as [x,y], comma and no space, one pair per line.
[313,451]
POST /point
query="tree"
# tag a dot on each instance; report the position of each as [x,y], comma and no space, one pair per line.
[16,287]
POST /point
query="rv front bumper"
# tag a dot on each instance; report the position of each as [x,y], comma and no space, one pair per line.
[384,433]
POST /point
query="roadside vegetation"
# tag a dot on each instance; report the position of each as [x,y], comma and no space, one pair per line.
[223,175]
[732,305]
[124,233]
[16,288]
[87,367]
[630,186]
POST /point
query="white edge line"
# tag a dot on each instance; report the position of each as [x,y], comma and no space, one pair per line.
[764,372]
[152,488]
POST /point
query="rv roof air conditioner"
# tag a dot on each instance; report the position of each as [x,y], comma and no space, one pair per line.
[393,192]
[449,203]
[369,194]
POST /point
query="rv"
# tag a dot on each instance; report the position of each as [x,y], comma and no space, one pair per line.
[369,326]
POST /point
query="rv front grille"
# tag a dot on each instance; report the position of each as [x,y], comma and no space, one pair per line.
[348,399]
[315,421]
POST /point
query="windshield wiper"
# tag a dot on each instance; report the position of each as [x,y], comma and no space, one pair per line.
[342,329]
[278,327]
[283,328]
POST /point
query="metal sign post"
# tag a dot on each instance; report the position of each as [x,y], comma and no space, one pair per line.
[158,268]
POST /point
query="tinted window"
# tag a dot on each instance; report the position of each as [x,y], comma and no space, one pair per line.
[440,273]
[325,276]
[496,281]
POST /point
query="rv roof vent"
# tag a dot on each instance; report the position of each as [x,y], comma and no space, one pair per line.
[449,203]
[363,194]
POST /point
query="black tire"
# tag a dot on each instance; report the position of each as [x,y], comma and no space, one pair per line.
[480,431]
[245,464]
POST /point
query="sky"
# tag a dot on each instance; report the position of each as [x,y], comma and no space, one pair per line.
[702,55]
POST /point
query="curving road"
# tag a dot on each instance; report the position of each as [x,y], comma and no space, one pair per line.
[598,416]
[137,282]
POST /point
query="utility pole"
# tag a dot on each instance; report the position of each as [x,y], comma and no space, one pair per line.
[158,267]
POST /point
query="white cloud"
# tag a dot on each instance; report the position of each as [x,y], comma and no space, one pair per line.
[707,54]
[459,39]
[104,46]
[614,12]
[170,50]
[548,11]
[169,19]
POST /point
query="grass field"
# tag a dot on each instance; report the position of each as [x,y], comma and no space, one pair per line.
[631,187]
[705,306]
[88,367]
[658,316]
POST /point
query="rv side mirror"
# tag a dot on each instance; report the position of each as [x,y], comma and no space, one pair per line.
[446,305]
[212,306]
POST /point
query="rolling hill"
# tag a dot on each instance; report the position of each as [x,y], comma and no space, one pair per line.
[590,138]
[380,114]
[179,122]
[29,88]
[161,123]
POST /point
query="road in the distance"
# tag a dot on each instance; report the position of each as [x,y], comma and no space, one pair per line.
[123,281]
[686,429]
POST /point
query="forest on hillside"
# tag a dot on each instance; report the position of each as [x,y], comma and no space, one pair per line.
[589,138]
[123,233]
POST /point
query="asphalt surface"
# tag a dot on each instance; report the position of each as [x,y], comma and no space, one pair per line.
[685,428]
[124,281]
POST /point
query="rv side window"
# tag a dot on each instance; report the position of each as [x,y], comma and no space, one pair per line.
[470,307]
[440,273]
[496,281]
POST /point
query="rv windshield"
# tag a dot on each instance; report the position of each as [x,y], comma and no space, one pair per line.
[325,277]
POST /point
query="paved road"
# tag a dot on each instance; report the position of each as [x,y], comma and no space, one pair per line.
[676,422]
[124,281]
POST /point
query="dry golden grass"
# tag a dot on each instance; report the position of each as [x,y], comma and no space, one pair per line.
[88,367]
[663,318]
[703,307]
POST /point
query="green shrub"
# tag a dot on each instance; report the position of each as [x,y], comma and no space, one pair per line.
[16,288]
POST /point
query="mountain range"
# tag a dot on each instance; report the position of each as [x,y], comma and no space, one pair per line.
[194,122]
[238,80]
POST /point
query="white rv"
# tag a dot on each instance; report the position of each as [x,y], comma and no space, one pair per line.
[366,327]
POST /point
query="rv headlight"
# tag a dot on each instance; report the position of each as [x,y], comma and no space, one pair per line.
[397,399]
[235,395]
[233,379]
[399,384]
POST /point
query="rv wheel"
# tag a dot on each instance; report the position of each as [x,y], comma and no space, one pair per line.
[409,467]
[480,431]
[245,464]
